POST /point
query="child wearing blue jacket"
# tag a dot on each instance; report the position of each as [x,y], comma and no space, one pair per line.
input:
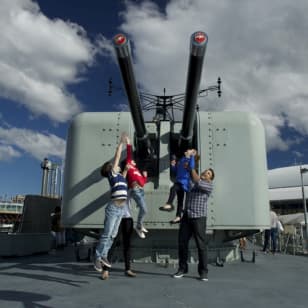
[182,170]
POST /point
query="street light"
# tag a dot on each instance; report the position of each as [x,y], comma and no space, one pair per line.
[302,171]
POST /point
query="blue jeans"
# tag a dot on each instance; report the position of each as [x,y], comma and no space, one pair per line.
[138,195]
[113,216]
[274,232]
[270,234]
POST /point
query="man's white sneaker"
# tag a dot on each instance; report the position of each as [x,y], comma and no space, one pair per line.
[204,278]
[179,274]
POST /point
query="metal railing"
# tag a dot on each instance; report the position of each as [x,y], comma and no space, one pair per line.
[287,243]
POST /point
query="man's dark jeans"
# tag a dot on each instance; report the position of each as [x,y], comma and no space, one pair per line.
[195,227]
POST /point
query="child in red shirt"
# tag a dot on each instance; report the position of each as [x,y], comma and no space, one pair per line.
[136,181]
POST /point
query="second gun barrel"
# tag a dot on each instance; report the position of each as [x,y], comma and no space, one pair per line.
[198,45]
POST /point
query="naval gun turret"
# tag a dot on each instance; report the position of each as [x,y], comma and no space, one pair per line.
[186,138]
[232,143]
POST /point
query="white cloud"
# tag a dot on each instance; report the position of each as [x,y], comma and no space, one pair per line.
[7,152]
[257,47]
[298,154]
[39,57]
[272,126]
[35,144]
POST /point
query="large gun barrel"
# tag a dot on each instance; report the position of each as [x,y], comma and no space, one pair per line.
[122,48]
[198,45]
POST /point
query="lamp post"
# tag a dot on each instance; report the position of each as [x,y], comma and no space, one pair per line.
[302,171]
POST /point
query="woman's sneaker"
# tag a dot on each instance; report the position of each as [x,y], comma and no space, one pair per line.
[98,265]
[105,262]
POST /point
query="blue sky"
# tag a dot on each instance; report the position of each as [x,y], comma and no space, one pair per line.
[56,59]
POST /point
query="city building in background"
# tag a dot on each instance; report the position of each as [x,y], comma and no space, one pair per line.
[285,189]
[18,199]
[51,179]
[10,212]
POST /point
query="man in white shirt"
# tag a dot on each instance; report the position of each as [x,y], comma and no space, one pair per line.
[271,233]
[274,230]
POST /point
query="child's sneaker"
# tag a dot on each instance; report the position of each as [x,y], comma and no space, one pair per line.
[144,230]
[130,273]
[140,233]
[167,207]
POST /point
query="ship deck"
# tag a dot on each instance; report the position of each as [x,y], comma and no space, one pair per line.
[59,281]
